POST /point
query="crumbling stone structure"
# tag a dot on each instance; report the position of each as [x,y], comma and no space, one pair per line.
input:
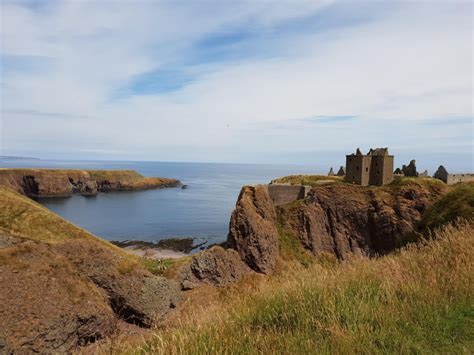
[281,194]
[375,168]
[341,172]
[331,172]
[451,179]
[410,169]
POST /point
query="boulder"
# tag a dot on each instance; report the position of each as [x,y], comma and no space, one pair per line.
[217,266]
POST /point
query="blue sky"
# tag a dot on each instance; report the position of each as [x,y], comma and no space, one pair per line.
[300,82]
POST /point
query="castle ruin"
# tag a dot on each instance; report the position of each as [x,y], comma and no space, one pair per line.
[451,179]
[375,168]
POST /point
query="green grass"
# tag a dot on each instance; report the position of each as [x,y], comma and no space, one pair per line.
[419,300]
[157,266]
[308,180]
[458,203]
[292,249]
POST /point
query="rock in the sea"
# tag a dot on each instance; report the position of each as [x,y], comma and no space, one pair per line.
[252,230]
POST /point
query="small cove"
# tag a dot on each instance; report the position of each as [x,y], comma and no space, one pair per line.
[201,211]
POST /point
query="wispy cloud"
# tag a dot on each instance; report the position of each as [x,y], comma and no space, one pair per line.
[328,119]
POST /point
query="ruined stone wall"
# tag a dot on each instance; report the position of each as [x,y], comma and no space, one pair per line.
[455,178]
[381,170]
[358,168]
[281,194]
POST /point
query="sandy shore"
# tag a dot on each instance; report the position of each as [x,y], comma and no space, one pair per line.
[155,253]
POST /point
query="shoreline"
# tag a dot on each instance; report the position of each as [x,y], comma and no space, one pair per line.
[155,253]
[171,248]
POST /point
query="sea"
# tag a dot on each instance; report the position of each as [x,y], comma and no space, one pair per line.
[201,211]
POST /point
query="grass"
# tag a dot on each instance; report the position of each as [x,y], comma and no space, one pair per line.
[308,180]
[458,203]
[27,219]
[157,266]
[291,248]
[23,217]
[418,300]
[418,181]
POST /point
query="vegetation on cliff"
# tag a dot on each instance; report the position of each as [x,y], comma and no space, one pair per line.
[457,203]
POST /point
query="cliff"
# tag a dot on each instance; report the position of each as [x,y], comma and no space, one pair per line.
[62,287]
[341,219]
[52,182]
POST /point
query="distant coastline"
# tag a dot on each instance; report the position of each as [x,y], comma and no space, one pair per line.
[13,157]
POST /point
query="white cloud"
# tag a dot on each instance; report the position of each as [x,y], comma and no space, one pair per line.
[401,67]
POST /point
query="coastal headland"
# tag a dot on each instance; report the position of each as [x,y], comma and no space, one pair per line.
[60,182]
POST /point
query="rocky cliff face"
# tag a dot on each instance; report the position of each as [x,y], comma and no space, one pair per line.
[51,183]
[341,219]
[253,229]
[352,220]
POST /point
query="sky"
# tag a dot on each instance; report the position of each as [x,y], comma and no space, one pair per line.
[301,82]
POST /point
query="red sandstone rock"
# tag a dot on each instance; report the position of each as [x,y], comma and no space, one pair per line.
[253,230]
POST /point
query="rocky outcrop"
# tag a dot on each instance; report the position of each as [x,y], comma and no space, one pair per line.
[59,183]
[253,230]
[347,220]
[217,266]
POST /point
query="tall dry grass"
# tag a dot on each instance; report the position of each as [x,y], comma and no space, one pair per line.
[418,300]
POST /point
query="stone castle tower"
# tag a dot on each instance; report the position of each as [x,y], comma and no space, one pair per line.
[375,168]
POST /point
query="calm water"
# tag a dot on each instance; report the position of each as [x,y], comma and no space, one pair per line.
[201,211]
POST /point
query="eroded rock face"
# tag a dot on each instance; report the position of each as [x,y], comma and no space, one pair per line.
[348,220]
[253,229]
[135,295]
[217,266]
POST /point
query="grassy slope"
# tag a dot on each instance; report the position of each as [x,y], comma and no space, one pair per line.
[308,180]
[418,300]
[27,219]
[458,203]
